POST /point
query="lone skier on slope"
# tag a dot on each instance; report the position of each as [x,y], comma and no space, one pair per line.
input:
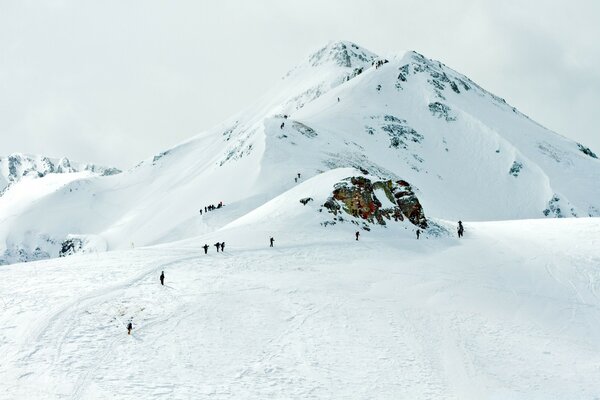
[162,278]
[357,234]
[129,328]
[418,233]
[461,229]
[271,240]
[205,247]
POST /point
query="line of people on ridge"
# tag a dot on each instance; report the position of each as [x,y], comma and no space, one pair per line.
[221,246]
[212,207]
[379,63]
[460,230]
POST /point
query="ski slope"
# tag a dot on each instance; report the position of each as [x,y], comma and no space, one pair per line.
[509,312]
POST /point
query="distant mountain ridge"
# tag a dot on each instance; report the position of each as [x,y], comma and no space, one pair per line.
[16,166]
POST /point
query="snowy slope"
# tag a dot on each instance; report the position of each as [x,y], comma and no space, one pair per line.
[510,312]
[467,154]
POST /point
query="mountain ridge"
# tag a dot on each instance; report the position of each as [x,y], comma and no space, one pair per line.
[466,153]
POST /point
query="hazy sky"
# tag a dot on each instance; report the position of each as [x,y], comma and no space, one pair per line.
[114,82]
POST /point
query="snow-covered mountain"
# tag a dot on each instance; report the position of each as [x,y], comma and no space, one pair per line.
[16,166]
[349,141]
[462,152]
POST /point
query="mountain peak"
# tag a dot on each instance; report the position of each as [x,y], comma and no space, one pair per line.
[343,54]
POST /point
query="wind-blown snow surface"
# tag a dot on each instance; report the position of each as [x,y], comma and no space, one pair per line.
[509,312]
[467,153]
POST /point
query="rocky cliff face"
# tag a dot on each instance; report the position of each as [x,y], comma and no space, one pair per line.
[376,201]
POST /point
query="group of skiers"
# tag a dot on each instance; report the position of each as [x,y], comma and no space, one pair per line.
[297,178]
[218,245]
[211,207]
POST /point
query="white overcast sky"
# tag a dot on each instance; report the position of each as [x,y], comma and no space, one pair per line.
[114,82]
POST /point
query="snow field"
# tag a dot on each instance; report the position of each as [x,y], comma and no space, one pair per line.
[511,311]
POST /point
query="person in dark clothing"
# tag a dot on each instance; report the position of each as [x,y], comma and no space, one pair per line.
[205,247]
[200,211]
[282,125]
[162,278]
[357,234]
[298,175]
[461,229]
[205,209]
[418,233]
[218,246]
[129,328]
[271,240]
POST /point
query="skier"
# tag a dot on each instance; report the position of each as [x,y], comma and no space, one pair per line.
[282,125]
[418,233]
[162,278]
[271,240]
[461,229]
[298,175]
[200,211]
[338,99]
[296,180]
[218,246]
[222,246]
[129,328]
[205,247]
[357,234]
[205,209]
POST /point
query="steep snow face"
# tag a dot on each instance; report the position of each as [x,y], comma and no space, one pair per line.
[470,155]
[465,152]
[15,167]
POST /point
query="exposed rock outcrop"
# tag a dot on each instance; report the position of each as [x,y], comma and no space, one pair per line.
[376,202]
[586,150]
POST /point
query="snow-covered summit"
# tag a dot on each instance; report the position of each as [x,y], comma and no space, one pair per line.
[465,153]
[344,54]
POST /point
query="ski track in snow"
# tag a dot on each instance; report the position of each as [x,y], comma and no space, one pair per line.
[485,317]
